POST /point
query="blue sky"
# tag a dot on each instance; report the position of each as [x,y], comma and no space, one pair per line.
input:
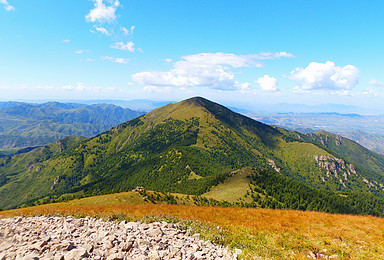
[235,52]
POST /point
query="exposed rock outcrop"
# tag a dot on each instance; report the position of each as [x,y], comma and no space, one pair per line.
[341,170]
[273,165]
[335,166]
[55,182]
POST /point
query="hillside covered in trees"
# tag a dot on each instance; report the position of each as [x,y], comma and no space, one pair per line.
[31,125]
[190,147]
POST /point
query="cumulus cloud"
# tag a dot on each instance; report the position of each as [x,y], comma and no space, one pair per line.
[7,6]
[104,16]
[243,87]
[213,70]
[116,60]
[268,83]
[129,46]
[325,76]
[103,11]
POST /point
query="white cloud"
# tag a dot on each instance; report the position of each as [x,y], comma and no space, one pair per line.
[78,87]
[299,90]
[129,46]
[7,6]
[45,87]
[116,60]
[126,31]
[213,70]
[274,55]
[244,88]
[102,30]
[121,60]
[369,92]
[156,89]
[268,83]
[343,92]
[112,89]
[325,76]
[66,41]
[104,11]
[67,87]
[376,83]
[82,51]
[107,58]
[225,59]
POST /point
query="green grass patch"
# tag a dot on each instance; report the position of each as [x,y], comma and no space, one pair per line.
[233,188]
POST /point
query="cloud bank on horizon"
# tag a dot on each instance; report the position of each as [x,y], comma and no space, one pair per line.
[106,57]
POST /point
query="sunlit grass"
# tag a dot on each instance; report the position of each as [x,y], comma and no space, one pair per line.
[233,188]
[260,233]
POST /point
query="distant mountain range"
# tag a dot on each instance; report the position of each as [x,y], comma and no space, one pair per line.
[366,130]
[145,105]
[193,146]
[323,108]
[372,142]
[29,125]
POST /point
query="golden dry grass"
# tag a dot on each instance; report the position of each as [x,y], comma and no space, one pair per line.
[261,233]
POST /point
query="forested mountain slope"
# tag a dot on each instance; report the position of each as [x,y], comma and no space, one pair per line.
[24,124]
[186,147]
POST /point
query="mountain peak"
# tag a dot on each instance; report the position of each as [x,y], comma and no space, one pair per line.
[200,101]
[205,103]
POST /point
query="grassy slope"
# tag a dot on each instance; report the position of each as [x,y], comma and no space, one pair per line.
[233,189]
[24,171]
[184,147]
[260,233]
[149,147]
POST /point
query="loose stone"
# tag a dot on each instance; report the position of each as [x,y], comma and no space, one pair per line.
[62,238]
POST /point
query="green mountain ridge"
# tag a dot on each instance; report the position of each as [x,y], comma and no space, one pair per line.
[187,147]
[25,125]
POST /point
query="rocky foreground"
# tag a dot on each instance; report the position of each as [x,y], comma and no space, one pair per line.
[65,238]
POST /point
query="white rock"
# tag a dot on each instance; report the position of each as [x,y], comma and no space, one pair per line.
[60,238]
